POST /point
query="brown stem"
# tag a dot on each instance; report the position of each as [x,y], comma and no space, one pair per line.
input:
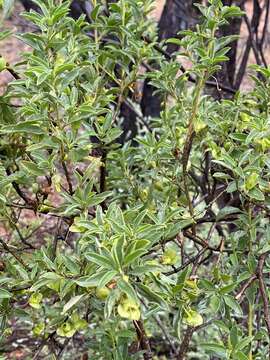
[185,343]
[143,340]
[42,344]
[190,261]
[32,203]
[56,238]
[13,73]
[263,292]
[245,286]
[13,253]
[68,178]
[102,179]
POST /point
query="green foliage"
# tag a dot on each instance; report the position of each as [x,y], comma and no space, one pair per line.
[160,233]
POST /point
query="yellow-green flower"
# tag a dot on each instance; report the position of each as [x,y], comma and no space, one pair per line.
[193,318]
[129,309]
[35,300]
[66,330]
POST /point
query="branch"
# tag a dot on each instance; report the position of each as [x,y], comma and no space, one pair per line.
[70,187]
[253,26]
[185,343]
[22,194]
[245,286]
[143,340]
[13,253]
[187,338]
[263,291]
[190,261]
[13,72]
[102,179]
[42,344]
[199,241]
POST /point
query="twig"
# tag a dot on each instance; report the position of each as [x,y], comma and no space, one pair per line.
[203,220]
[253,43]
[61,352]
[245,286]
[165,333]
[253,26]
[200,241]
[102,179]
[187,338]
[185,343]
[13,253]
[56,238]
[190,261]
[23,195]
[13,73]
[70,187]
[23,240]
[263,292]
[143,340]
[267,5]
[42,344]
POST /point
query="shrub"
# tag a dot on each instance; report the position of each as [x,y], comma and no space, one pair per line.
[155,247]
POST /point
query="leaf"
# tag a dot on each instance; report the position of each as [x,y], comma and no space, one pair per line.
[73,301]
[106,278]
[227,289]
[125,287]
[117,250]
[90,280]
[215,303]
[227,210]
[256,194]
[65,67]
[109,304]
[7,7]
[101,260]
[251,181]
[98,198]
[176,228]
[233,304]
[4,34]
[32,168]
[174,41]
[150,294]
[217,349]
[134,255]
[239,355]
[29,127]
[225,164]
[4,294]
[243,343]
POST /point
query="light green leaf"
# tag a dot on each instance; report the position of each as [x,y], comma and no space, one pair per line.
[73,301]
